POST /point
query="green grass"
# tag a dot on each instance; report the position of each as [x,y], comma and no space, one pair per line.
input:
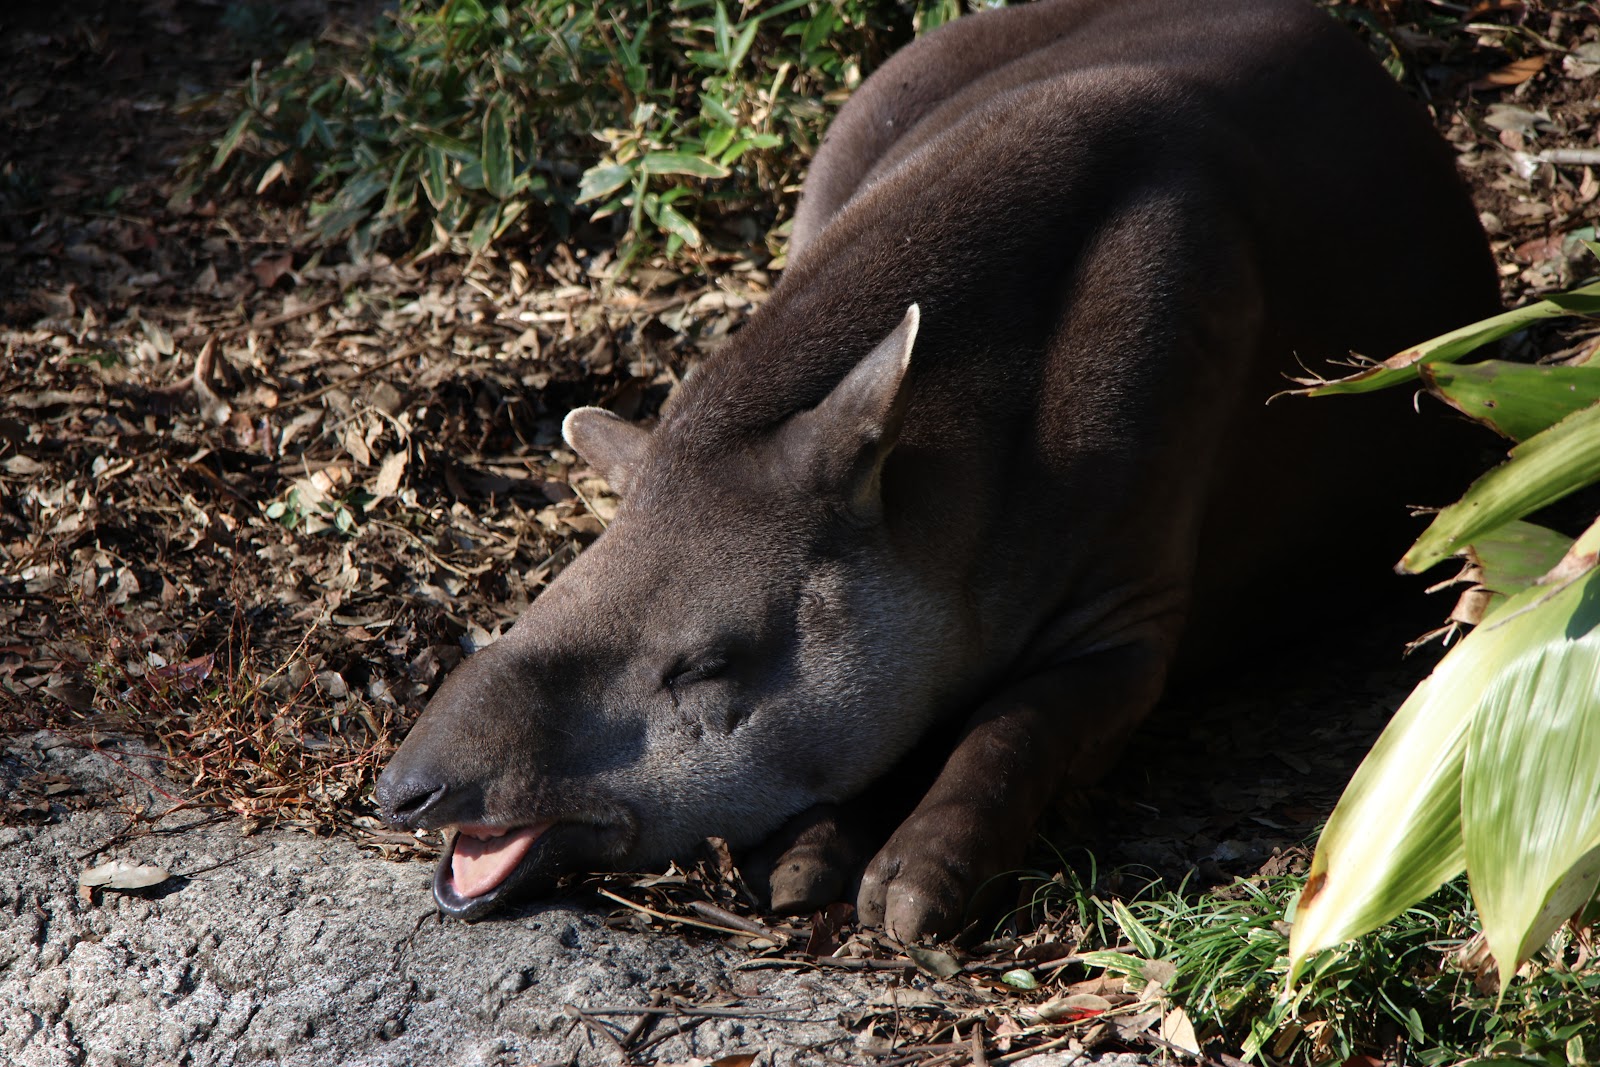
[1402,993]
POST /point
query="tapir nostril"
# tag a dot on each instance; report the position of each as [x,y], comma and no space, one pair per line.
[405,802]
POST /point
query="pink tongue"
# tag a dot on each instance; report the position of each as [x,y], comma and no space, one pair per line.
[479,865]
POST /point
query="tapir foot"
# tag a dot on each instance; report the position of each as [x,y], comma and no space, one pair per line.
[925,880]
[810,862]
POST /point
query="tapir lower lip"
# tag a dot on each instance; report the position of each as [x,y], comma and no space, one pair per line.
[533,869]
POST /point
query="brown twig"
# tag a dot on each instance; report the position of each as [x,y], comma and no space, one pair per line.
[666,1035]
[749,926]
[943,1048]
[305,398]
[975,1039]
[664,917]
[678,1007]
[595,1026]
[230,861]
[1012,1057]
[830,962]
[288,316]
[646,1020]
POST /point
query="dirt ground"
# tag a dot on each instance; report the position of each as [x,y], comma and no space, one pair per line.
[256,500]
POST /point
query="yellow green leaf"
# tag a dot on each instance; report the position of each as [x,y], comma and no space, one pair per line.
[1515,400]
[1450,347]
[1531,780]
[1541,470]
[1396,834]
[1514,556]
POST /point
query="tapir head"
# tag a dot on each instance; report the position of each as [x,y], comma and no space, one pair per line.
[742,643]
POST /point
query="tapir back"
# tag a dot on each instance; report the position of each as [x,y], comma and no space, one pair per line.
[1337,216]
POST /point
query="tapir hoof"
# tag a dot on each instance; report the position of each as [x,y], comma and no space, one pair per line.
[920,883]
[912,898]
[810,862]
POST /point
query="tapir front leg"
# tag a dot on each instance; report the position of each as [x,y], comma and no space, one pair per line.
[1057,725]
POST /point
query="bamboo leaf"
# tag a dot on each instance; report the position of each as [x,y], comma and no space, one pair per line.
[779,9]
[436,175]
[683,163]
[499,164]
[484,229]
[402,183]
[602,181]
[1513,399]
[230,140]
[741,44]
[453,147]
[1450,347]
[722,28]
[1541,470]
[717,111]
[674,223]
[1135,931]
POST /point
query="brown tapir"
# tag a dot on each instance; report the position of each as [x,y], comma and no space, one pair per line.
[996,440]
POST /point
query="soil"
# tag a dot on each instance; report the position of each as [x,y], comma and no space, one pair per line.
[191,678]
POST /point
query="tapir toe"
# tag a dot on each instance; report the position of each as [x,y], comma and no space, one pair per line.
[913,898]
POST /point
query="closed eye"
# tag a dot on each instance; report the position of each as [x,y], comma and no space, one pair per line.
[688,672]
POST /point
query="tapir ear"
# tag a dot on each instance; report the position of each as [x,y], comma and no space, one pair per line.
[843,441]
[610,445]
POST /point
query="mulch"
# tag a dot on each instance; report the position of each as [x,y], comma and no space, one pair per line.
[256,499]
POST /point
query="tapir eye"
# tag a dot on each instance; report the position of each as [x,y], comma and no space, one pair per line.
[687,672]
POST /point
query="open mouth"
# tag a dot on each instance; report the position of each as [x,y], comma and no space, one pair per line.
[482,865]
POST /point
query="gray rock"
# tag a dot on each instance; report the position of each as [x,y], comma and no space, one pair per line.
[284,948]
[279,947]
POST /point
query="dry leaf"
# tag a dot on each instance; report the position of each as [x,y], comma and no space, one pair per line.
[1133,1027]
[1069,1008]
[1514,73]
[1159,973]
[355,444]
[120,874]
[904,998]
[939,964]
[212,407]
[269,269]
[1177,1030]
[387,483]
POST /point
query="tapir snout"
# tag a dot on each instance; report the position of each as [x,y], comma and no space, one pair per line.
[1116,224]
[488,761]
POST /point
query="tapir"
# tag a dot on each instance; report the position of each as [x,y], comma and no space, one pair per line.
[993,454]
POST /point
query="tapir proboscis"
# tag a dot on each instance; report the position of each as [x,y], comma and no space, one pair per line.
[994,446]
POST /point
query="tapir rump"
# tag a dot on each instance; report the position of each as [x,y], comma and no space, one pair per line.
[994,445]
